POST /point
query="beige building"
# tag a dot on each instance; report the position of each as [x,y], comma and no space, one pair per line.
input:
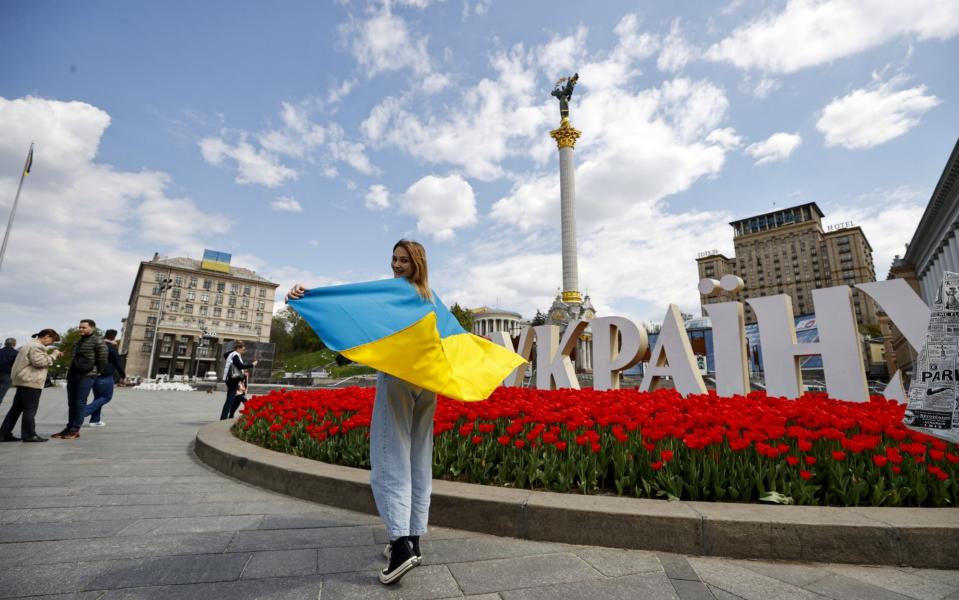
[789,252]
[183,326]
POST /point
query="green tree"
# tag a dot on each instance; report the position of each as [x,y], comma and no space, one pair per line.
[463,315]
[539,319]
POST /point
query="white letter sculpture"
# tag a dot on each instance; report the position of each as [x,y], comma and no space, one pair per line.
[554,370]
[673,357]
[525,350]
[617,345]
[729,337]
[838,344]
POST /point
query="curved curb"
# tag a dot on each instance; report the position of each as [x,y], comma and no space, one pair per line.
[914,537]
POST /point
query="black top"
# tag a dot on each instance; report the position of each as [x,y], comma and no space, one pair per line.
[113,367]
[7,356]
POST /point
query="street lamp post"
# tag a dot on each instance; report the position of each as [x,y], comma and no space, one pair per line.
[165,284]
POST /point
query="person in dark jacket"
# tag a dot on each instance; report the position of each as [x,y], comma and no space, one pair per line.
[89,360]
[8,354]
[103,385]
[235,358]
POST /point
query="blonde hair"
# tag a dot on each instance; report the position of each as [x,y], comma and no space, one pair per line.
[420,277]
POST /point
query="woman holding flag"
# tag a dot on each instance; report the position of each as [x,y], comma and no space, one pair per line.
[404,331]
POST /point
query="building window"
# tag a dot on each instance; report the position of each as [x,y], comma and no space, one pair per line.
[175,294]
[230,313]
[232,301]
[154,305]
[207,284]
[191,296]
[174,306]
[234,288]
[220,286]
[149,333]
[217,311]
[262,293]
[244,315]
[158,276]
[156,290]
[261,317]
[205,297]
[218,299]
[146,348]
[178,280]
[246,290]
[246,303]
[204,310]
[261,305]
[193,281]
[188,309]
[151,320]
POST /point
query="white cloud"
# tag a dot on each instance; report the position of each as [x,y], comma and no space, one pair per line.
[765,86]
[775,148]
[254,166]
[383,42]
[872,116]
[298,137]
[378,197]
[340,91]
[441,205]
[82,227]
[286,204]
[561,55]
[676,51]
[811,32]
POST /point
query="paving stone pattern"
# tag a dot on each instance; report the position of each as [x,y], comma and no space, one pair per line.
[127,511]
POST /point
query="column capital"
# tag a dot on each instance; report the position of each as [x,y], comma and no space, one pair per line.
[566,135]
[572,297]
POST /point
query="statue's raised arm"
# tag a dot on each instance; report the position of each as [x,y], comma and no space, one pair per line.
[563,90]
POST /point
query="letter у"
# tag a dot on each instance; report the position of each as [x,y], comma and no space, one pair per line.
[673,357]
[554,370]
[838,344]
[525,350]
[618,344]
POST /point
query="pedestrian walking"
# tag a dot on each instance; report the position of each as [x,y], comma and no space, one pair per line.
[29,376]
[233,368]
[8,354]
[104,383]
[89,360]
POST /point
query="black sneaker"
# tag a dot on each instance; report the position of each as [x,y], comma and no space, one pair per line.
[401,561]
[415,541]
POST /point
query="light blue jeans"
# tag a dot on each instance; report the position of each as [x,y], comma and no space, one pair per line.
[401,455]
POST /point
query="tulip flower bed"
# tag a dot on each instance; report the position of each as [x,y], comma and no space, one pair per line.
[812,450]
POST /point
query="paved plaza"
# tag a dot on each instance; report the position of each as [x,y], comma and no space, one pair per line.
[127,511]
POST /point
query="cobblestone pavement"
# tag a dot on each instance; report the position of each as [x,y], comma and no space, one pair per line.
[127,511]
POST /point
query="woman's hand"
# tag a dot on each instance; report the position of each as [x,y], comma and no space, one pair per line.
[296,292]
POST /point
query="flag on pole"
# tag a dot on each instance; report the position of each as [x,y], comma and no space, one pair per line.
[26,167]
[388,326]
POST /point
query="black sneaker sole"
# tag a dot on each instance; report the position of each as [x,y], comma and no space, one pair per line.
[397,573]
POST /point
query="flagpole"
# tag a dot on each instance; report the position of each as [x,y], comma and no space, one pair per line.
[16,200]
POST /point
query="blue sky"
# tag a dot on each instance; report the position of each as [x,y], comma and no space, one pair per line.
[306,137]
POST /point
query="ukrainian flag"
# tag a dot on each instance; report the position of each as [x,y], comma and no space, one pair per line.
[387,325]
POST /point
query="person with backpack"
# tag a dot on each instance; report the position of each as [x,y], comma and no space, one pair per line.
[89,360]
[8,354]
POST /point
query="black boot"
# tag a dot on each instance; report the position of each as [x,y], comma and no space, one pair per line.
[402,560]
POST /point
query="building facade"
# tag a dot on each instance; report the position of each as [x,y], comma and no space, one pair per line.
[183,326]
[488,320]
[788,252]
[933,250]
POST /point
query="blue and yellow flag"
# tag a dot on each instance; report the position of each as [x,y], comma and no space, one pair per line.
[387,325]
